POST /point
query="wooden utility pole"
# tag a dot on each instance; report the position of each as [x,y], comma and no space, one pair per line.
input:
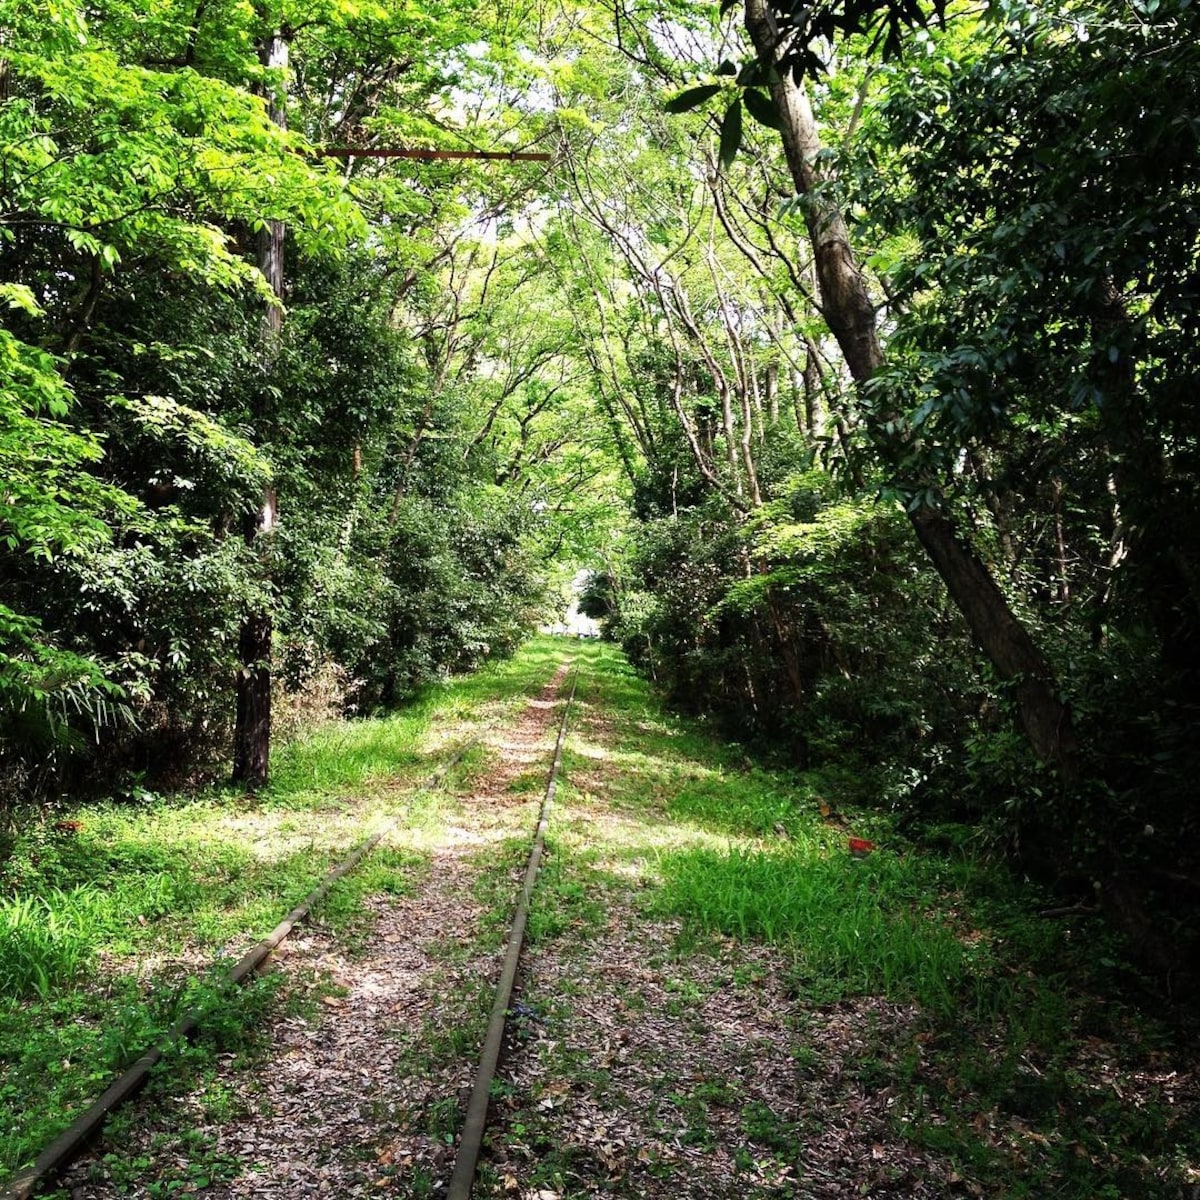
[252,731]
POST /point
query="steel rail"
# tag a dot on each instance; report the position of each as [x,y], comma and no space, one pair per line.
[68,1144]
[471,1142]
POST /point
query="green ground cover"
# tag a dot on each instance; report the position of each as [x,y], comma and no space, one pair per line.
[1034,1064]
[116,917]
[1039,1062]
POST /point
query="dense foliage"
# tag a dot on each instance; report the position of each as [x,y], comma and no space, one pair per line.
[851,348]
[147,407]
[1012,211]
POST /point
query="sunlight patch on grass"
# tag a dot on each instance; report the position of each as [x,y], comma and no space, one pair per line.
[590,751]
[105,915]
[621,836]
[407,745]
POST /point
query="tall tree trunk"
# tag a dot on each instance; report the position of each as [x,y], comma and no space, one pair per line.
[813,422]
[252,728]
[1140,476]
[848,310]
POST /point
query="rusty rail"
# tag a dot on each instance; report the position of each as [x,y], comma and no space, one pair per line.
[471,1142]
[68,1144]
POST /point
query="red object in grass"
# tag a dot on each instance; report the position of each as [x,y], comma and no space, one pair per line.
[860,847]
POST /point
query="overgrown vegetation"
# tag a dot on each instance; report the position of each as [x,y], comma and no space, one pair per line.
[876,440]
[187,470]
[117,919]
[736,383]
[953,316]
[1023,1031]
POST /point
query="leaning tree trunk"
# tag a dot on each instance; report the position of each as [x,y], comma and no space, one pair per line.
[850,314]
[252,731]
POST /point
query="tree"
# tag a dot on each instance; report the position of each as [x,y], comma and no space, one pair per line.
[848,307]
[252,724]
[144,158]
[50,507]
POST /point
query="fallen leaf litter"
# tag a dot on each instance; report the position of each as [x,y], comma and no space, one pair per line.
[633,1070]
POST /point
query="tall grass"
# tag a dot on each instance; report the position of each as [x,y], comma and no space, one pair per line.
[853,925]
[47,939]
[753,803]
[883,925]
[345,755]
[1022,1067]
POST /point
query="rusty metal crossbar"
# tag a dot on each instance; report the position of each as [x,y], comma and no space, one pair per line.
[404,152]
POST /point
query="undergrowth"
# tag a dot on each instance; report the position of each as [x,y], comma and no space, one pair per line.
[113,915]
[1029,1059]
[852,925]
[1025,1031]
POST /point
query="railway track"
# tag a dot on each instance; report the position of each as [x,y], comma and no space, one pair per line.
[463,1177]
[70,1144]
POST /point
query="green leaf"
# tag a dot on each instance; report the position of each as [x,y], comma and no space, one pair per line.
[731,133]
[752,73]
[692,98]
[17,295]
[763,109]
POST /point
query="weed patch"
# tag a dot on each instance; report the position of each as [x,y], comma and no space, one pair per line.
[45,940]
[853,926]
[111,915]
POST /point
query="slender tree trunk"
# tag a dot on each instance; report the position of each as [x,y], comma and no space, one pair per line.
[252,729]
[1169,576]
[1062,585]
[847,307]
[995,506]
[814,417]
[81,318]
[748,451]
[1005,641]
[760,420]
[1118,548]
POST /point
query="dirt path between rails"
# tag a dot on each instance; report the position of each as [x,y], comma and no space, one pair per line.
[352,1101]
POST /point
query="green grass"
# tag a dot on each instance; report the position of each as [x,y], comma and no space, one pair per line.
[996,1070]
[45,940]
[852,925]
[111,915]
[105,930]
[350,756]
[747,802]
[568,900]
